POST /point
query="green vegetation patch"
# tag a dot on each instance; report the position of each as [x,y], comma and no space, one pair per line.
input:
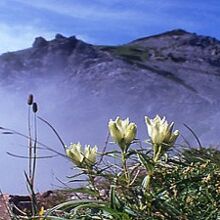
[134,53]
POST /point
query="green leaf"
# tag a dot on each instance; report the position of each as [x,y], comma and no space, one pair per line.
[147,162]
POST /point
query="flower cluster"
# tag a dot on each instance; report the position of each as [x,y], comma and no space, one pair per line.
[123,132]
[85,159]
[160,131]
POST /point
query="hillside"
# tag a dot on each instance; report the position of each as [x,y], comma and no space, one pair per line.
[80,86]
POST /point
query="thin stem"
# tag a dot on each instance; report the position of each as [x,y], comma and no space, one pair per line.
[35,149]
[92,182]
[104,149]
[55,131]
[25,136]
[157,153]
[32,195]
[124,165]
[30,144]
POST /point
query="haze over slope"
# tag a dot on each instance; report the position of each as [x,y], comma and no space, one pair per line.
[80,86]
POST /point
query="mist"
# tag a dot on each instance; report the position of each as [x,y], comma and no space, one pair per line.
[77,115]
[80,114]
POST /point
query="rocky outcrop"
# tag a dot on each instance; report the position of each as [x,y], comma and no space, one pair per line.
[40,42]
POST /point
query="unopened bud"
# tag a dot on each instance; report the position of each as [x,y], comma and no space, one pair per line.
[30,99]
[35,108]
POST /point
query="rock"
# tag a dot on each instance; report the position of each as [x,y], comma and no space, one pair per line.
[59,37]
[40,42]
[4,213]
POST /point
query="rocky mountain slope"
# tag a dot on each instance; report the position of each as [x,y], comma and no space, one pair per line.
[80,86]
[173,70]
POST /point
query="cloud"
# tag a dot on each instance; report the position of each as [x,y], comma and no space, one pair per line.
[84,10]
[122,14]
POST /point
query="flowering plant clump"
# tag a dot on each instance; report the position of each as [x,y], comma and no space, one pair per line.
[142,180]
[82,159]
[123,133]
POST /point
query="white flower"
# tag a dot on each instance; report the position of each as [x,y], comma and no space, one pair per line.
[122,131]
[90,155]
[82,159]
[160,131]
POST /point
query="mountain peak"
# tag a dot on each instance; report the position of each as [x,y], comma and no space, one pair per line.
[174,32]
[59,37]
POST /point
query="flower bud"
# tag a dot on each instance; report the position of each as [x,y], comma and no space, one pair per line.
[30,99]
[35,107]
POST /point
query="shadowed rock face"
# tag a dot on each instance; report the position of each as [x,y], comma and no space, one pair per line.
[79,86]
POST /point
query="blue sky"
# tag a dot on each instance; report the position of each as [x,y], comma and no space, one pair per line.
[102,21]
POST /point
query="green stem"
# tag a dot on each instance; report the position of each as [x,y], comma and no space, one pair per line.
[92,183]
[124,165]
[156,157]
[148,182]
[148,192]
[157,153]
